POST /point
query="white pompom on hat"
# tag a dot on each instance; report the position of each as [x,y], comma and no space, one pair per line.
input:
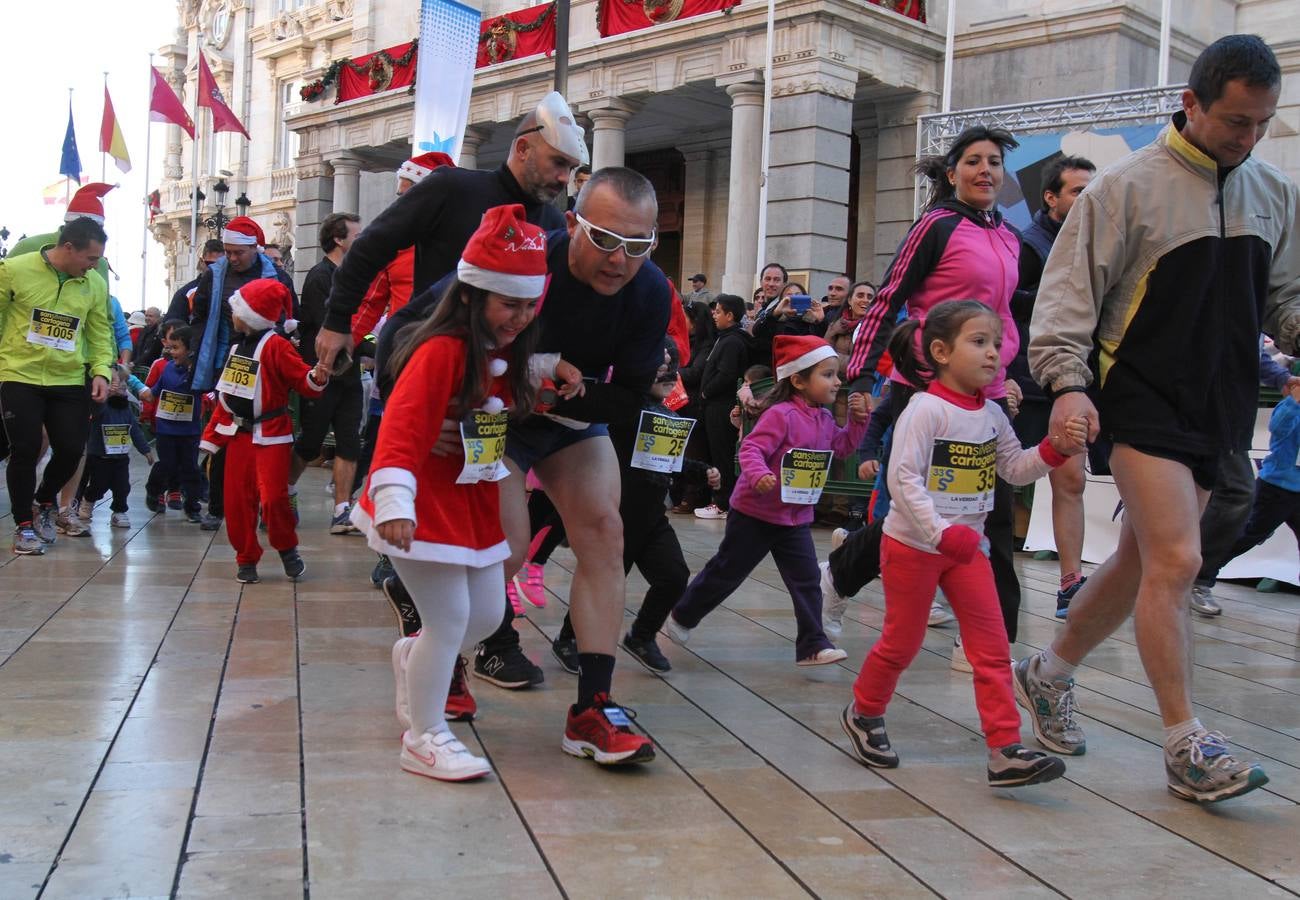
[261,303]
[794,353]
[506,255]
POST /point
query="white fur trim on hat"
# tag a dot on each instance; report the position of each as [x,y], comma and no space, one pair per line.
[239,307]
[237,237]
[500,282]
[811,358]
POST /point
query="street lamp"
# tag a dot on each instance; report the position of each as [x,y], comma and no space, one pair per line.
[216,222]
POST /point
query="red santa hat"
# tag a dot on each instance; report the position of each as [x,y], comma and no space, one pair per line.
[417,167]
[261,303]
[794,353]
[506,255]
[86,202]
[244,231]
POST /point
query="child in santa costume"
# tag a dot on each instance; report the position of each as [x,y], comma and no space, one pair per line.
[437,516]
[784,462]
[252,423]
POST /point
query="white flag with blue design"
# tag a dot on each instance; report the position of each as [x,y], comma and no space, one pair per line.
[445,75]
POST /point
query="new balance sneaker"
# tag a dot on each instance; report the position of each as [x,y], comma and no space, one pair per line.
[210,522]
[603,732]
[533,588]
[868,738]
[1015,765]
[1201,769]
[565,650]
[85,510]
[70,524]
[1064,597]
[120,520]
[461,706]
[1203,602]
[939,615]
[174,500]
[1051,708]
[401,652]
[507,668]
[823,657]
[27,542]
[959,662]
[712,511]
[293,563]
[342,523]
[677,631]
[408,617]
[247,575]
[43,523]
[833,605]
[441,756]
[382,571]
[838,537]
[647,653]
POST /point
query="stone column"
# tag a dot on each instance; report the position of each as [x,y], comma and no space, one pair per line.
[474,137]
[315,195]
[895,185]
[808,174]
[347,183]
[743,186]
[608,127]
[695,215]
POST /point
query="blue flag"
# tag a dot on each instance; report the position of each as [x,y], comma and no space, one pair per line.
[70,164]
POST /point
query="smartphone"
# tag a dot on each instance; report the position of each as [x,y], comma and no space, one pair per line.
[800,303]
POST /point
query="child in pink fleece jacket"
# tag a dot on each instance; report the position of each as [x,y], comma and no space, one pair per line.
[784,462]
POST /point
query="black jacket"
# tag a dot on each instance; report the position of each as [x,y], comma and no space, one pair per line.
[438,215]
[726,362]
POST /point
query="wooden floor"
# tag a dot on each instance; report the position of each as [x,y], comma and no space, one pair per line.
[165,732]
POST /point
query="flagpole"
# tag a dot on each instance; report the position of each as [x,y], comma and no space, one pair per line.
[144,241]
[103,157]
[67,182]
[194,163]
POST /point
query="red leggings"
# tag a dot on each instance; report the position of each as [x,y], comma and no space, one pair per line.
[910,577]
[257,474]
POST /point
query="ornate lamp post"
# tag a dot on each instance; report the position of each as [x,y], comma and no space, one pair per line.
[218,220]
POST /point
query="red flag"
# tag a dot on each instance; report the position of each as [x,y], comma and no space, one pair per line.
[210,96]
[165,106]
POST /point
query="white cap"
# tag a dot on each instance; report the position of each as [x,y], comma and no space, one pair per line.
[558,128]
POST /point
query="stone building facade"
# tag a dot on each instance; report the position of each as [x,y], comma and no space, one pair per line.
[683,103]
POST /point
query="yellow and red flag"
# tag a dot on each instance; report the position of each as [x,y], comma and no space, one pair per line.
[110,136]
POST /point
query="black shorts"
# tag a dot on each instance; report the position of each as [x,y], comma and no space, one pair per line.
[339,407]
[1205,468]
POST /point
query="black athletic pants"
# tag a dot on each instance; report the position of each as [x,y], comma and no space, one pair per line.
[64,413]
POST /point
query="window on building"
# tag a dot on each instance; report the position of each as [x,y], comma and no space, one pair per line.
[287,5]
[286,147]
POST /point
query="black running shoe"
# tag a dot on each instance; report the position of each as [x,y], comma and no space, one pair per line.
[647,653]
[383,570]
[565,650]
[1015,765]
[507,668]
[869,739]
[210,522]
[1063,598]
[294,566]
[155,504]
[247,575]
[408,617]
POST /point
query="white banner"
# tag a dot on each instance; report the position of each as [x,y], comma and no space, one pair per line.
[444,75]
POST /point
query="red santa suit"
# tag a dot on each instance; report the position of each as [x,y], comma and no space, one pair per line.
[454,523]
[389,292]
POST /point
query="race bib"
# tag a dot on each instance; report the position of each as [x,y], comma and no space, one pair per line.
[483,439]
[117,439]
[803,475]
[51,329]
[239,377]
[962,475]
[176,407]
[661,442]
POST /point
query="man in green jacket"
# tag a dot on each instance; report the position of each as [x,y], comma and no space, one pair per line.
[54,334]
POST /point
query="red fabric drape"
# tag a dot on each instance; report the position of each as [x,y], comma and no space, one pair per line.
[620,16]
[913,9]
[376,75]
[501,38]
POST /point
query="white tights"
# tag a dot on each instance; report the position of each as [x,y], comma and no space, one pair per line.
[459,606]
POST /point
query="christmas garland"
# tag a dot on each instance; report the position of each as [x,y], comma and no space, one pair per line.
[314,90]
[519,27]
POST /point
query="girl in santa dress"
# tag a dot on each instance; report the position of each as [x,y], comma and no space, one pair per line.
[437,516]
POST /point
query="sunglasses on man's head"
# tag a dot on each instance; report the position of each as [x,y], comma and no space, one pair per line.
[609,241]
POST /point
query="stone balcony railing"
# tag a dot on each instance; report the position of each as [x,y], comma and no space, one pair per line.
[284,183]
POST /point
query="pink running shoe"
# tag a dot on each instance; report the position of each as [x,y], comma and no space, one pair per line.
[512,594]
[533,588]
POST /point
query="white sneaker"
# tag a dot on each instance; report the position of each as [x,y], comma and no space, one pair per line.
[441,756]
[959,661]
[838,537]
[69,523]
[679,633]
[120,520]
[823,657]
[833,605]
[85,510]
[401,652]
[710,512]
[939,615]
